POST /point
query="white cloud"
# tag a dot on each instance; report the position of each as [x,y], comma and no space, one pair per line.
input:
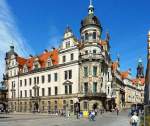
[55,37]
[9,33]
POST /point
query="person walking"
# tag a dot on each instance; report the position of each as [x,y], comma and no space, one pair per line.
[77,112]
[92,115]
[117,110]
[134,119]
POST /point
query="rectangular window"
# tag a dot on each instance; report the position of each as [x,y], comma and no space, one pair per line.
[108,76]
[86,52]
[68,44]
[94,70]
[25,93]
[49,91]
[94,51]
[70,74]
[85,105]
[64,59]
[94,35]
[86,88]
[25,82]
[13,84]
[30,81]
[20,83]
[37,80]
[43,92]
[66,89]
[56,90]
[70,89]
[37,91]
[20,94]
[34,80]
[66,75]
[43,79]
[72,56]
[95,87]
[49,77]
[86,36]
[55,77]
[85,71]
[14,94]
[30,93]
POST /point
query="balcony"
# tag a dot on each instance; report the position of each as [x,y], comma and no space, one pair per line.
[91,56]
[96,95]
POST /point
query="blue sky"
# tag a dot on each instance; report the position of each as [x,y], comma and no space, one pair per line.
[39,24]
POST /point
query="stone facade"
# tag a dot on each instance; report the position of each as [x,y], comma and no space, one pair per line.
[79,71]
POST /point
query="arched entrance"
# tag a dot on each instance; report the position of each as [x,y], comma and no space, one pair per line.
[36,107]
[3,107]
[95,106]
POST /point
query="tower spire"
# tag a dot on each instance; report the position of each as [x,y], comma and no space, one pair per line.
[91,7]
[91,2]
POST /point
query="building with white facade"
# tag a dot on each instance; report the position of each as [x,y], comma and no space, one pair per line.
[79,71]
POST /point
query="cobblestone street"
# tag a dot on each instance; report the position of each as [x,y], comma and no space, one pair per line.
[107,119]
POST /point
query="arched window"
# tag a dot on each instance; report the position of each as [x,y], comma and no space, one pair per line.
[86,36]
[94,35]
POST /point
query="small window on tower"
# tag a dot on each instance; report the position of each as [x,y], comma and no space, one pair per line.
[86,36]
[68,44]
[94,51]
[94,35]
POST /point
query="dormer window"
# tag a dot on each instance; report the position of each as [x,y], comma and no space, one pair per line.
[25,68]
[36,64]
[68,44]
[49,62]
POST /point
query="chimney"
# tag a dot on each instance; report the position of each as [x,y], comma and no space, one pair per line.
[30,56]
[45,51]
[53,48]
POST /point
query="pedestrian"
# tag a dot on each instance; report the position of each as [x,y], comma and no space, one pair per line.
[77,112]
[117,110]
[134,119]
[92,115]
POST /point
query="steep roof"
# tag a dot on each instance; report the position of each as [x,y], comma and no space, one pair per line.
[41,58]
[124,74]
[114,66]
[140,81]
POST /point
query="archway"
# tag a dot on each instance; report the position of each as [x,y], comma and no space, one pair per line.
[36,107]
[95,106]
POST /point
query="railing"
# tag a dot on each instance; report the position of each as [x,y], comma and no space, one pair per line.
[95,94]
[91,56]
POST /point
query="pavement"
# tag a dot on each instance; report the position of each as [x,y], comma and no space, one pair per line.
[107,119]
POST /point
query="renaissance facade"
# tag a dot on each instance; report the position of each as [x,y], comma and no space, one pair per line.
[79,71]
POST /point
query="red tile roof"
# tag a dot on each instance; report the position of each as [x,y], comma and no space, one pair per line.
[102,42]
[114,66]
[140,81]
[125,74]
[42,59]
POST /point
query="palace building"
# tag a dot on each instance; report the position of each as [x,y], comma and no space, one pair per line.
[79,71]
